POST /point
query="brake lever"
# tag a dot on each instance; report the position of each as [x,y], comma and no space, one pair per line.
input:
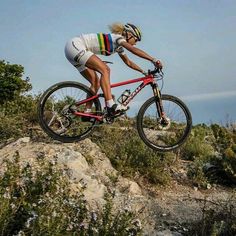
[156,70]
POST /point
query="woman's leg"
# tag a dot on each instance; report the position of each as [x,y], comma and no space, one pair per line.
[94,80]
[92,77]
[96,64]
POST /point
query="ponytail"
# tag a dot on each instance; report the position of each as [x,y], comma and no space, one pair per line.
[116,28]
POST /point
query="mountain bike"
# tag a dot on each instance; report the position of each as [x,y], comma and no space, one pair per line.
[163,121]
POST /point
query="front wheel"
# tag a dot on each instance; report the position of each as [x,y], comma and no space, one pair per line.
[170,133]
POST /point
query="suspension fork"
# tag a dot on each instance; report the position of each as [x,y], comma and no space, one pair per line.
[158,101]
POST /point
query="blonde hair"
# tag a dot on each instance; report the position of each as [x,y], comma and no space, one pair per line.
[116,28]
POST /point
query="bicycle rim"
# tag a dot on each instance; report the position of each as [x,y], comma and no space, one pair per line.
[169,136]
[56,112]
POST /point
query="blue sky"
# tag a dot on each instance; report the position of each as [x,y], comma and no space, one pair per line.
[194,39]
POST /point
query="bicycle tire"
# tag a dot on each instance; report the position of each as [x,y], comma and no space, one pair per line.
[160,138]
[43,112]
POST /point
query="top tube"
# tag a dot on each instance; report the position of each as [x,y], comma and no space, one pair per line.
[146,79]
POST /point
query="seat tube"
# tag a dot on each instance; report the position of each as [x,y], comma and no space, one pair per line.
[158,101]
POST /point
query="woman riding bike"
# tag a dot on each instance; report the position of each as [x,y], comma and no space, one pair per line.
[82,53]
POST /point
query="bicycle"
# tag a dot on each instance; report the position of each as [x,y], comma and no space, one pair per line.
[163,121]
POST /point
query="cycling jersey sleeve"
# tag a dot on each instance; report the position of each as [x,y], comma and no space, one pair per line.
[120,50]
[118,40]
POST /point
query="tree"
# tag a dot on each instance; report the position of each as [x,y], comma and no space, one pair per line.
[11,83]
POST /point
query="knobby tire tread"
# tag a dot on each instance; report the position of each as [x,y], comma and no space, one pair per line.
[43,99]
[140,123]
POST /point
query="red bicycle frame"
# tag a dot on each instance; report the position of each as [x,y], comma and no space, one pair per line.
[149,79]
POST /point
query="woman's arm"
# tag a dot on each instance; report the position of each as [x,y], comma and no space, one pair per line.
[142,54]
[130,64]
[137,51]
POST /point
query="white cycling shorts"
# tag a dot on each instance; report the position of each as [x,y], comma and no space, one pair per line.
[77,54]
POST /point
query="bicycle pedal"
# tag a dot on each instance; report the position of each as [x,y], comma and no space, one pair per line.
[109,119]
[119,114]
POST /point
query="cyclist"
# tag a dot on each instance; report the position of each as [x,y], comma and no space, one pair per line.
[82,53]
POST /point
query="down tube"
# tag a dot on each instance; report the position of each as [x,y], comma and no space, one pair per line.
[134,93]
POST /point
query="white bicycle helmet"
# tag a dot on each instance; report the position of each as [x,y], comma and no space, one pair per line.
[135,31]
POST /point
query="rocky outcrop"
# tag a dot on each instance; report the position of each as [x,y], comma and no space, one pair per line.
[163,213]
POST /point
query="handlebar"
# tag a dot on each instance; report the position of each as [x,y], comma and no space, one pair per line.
[155,71]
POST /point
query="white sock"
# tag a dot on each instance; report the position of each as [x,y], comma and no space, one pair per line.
[110,103]
[87,110]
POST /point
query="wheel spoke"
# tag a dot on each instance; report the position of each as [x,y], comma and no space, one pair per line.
[164,134]
[56,112]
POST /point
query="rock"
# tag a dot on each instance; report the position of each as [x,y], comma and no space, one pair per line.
[163,210]
[128,187]
[168,233]
[134,189]
[21,141]
[208,186]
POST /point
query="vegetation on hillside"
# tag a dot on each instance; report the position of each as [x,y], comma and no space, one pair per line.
[211,150]
[37,200]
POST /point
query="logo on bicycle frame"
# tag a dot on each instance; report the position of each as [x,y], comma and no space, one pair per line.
[132,95]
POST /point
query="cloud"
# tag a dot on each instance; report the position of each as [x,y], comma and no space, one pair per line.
[209,96]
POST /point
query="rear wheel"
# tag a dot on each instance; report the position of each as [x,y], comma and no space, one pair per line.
[164,134]
[56,107]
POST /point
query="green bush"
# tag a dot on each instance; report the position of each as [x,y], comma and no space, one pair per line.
[25,106]
[218,219]
[11,83]
[225,162]
[223,137]
[197,175]
[214,148]
[198,145]
[131,157]
[227,166]
[10,127]
[17,116]
[37,200]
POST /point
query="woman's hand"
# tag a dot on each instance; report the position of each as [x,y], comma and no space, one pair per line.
[157,64]
[144,73]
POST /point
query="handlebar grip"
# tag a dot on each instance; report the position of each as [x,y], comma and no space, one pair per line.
[156,70]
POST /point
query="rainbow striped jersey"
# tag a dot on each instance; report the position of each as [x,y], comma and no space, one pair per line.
[104,44]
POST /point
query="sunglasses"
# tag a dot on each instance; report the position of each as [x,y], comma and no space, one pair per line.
[135,38]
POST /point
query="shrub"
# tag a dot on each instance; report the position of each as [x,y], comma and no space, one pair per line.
[10,127]
[198,146]
[11,83]
[223,137]
[131,157]
[218,218]
[224,164]
[213,149]
[227,166]
[17,116]
[37,200]
[197,175]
